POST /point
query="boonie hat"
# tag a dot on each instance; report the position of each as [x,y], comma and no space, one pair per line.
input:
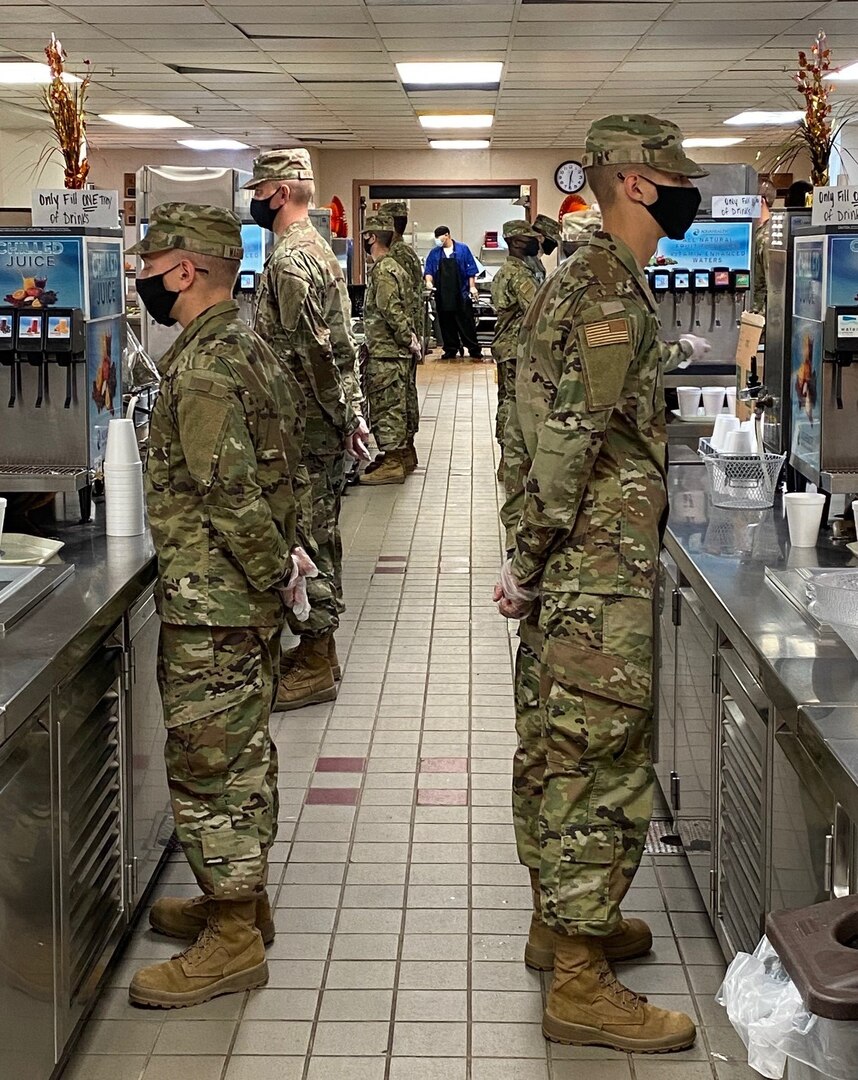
[207,230]
[519,227]
[638,139]
[548,226]
[378,222]
[292,164]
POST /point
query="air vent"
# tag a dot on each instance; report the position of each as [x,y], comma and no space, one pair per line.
[181,70]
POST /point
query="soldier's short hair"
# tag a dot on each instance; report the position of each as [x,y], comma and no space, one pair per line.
[769,192]
[604,183]
[384,237]
[221,272]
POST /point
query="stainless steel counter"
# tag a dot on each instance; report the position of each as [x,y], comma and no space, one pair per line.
[56,636]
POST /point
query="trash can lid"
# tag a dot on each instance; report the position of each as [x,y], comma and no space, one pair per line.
[818,947]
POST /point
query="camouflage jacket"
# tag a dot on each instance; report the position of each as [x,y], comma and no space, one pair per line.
[586,486]
[513,289]
[409,260]
[388,311]
[225,444]
[303,312]
[762,238]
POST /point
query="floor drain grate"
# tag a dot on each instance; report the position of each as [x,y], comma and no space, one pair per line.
[662,838]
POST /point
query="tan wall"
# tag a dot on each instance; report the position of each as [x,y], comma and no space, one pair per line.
[24,167]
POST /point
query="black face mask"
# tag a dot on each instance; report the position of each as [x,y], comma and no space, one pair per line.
[675,208]
[367,246]
[530,247]
[157,298]
[263,214]
[549,246]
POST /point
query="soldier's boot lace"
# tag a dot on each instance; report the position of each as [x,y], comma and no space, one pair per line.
[227,958]
[588,1006]
[631,939]
[391,471]
[178,917]
[309,678]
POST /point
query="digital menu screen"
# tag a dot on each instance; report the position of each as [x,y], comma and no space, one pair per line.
[701,279]
[6,326]
[721,279]
[661,281]
[742,279]
[681,279]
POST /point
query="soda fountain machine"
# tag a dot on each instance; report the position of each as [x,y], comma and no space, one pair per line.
[62,334]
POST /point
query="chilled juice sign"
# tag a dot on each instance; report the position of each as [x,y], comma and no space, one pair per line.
[41,272]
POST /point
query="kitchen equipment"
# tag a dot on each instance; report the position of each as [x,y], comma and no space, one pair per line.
[62,334]
[741,481]
[21,550]
[804,514]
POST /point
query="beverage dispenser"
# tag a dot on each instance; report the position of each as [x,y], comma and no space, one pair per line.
[62,333]
[824,358]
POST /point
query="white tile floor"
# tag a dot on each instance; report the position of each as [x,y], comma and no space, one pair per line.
[401,909]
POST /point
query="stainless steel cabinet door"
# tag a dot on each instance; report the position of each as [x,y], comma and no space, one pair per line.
[27,1045]
[664,748]
[151,822]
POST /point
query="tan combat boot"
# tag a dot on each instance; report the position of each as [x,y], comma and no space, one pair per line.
[309,678]
[391,471]
[631,939]
[409,457]
[333,659]
[588,1006]
[186,919]
[226,958]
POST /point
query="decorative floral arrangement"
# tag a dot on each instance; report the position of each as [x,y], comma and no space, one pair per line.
[818,129]
[64,101]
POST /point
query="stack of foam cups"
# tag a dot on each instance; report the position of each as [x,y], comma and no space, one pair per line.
[123,481]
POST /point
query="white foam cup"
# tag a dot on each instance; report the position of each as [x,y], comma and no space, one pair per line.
[689,401]
[731,400]
[724,424]
[713,400]
[739,442]
[121,446]
[804,516]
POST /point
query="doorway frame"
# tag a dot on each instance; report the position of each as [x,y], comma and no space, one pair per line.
[358,259]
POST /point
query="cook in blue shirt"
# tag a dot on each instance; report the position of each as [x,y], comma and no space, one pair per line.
[452,270]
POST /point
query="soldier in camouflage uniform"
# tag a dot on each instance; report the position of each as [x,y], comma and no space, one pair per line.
[225,445]
[303,312]
[549,238]
[513,289]
[409,260]
[585,508]
[392,348]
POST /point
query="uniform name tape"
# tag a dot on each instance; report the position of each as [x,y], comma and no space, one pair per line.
[610,332]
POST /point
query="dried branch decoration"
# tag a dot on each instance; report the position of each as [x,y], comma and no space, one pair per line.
[815,128]
[64,102]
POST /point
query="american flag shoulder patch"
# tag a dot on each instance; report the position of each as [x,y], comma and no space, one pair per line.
[609,332]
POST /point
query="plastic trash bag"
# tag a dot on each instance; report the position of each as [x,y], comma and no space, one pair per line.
[138,368]
[766,1010]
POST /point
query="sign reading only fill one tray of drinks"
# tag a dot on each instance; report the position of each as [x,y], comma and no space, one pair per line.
[86,207]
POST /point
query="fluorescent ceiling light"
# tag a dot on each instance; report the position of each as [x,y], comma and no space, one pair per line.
[472,120]
[451,73]
[213,144]
[847,74]
[27,74]
[144,121]
[691,143]
[459,144]
[762,118]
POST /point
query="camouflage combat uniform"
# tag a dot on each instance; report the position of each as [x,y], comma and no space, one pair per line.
[586,489]
[388,324]
[224,445]
[513,289]
[302,311]
[548,227]
[409,260]
[762,239]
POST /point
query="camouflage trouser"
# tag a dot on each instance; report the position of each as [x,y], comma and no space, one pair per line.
[528,763]
[217,685]
[412,403]
[506,396]
[327,476]
[596,697]
[386,383]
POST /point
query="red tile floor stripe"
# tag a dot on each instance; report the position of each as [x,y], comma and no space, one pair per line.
[340,764]
[334,796]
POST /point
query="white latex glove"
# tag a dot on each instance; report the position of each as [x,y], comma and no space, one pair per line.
[415,347]
[294,592]
[514,601]
[355,444]
[699,346]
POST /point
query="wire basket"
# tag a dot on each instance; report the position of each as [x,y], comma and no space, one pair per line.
[742,481]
